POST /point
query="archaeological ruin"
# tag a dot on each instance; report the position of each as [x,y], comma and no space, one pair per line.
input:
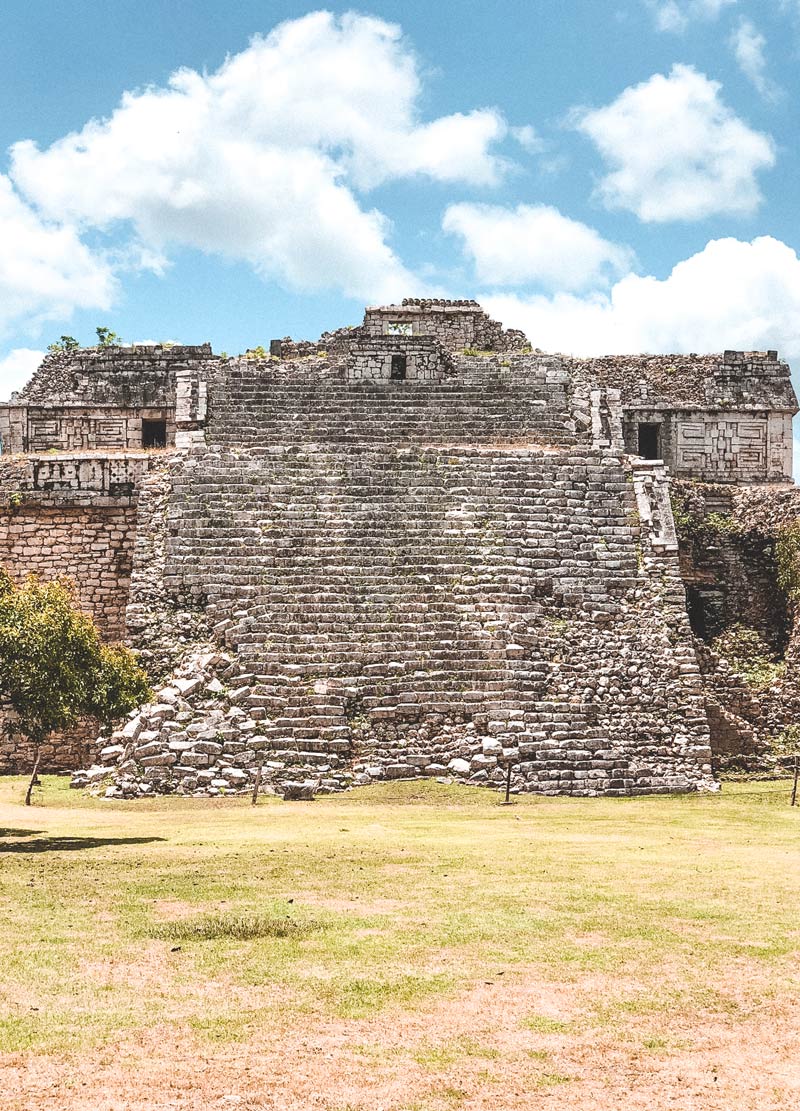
[417,547]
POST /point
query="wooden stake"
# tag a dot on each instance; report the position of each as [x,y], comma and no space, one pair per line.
[796,775]
[257,783]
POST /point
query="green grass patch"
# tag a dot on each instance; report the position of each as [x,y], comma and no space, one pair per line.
[227,920]
[541,1024]
[239,927]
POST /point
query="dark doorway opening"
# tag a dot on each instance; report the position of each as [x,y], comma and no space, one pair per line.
[399,363]
[154,433]
[650,441]
[696,610]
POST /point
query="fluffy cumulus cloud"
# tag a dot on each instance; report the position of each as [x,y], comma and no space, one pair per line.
[16,368]
[534,244]
[45,269]
[264,159]
[749,49]
[675,151]
[732,294]
[676,15]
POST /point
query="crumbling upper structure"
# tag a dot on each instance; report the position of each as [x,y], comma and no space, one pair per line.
[112,398]
[415,547]
[719,418]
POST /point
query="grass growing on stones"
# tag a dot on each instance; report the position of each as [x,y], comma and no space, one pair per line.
[396,944]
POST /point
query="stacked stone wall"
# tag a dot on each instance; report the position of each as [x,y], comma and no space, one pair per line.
[425,359]
[91,546]
[390,611]
[456,325]
[79,428]
[501,400]
[58,753]
[71,516]
[139,376]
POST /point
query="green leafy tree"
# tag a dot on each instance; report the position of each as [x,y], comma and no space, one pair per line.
[107,338]
[65,343]
[53,665]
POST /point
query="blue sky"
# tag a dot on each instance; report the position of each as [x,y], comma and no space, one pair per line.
[610,176]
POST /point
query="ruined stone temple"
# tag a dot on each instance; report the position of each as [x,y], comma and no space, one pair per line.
[417,547]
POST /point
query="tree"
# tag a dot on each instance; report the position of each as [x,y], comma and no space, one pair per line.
[107,338]
[53,665]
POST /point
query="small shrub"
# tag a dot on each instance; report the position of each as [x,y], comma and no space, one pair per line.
[64,343]
[720,522]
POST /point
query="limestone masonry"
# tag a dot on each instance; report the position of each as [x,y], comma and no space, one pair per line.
[416,547]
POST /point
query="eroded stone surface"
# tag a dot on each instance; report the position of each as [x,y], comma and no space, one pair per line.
[348,573]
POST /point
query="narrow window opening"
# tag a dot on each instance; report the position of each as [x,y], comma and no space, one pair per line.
[650,441]
[399,363]
[154,433]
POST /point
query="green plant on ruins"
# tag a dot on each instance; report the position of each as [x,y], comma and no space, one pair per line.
[692,521]
[748,656]
[53,665]
[681,512]
[64,343]
[787,557]
[107,338]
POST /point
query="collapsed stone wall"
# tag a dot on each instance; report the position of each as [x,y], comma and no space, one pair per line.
[730,564]
[135,376]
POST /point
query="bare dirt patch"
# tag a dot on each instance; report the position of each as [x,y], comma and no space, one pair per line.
[477,1051]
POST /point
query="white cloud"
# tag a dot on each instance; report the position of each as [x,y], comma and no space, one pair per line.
[675,151]
[534,243]
[676,15]
[262,159]
[45,270]
[748,45]
[16,368]
[732,294]
[528,139]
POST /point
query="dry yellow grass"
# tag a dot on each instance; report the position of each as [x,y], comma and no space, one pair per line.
[405,947]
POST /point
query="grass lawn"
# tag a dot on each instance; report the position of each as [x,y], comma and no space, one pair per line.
[410,947]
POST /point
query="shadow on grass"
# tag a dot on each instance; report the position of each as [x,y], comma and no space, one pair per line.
[69,844]
[19,832]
